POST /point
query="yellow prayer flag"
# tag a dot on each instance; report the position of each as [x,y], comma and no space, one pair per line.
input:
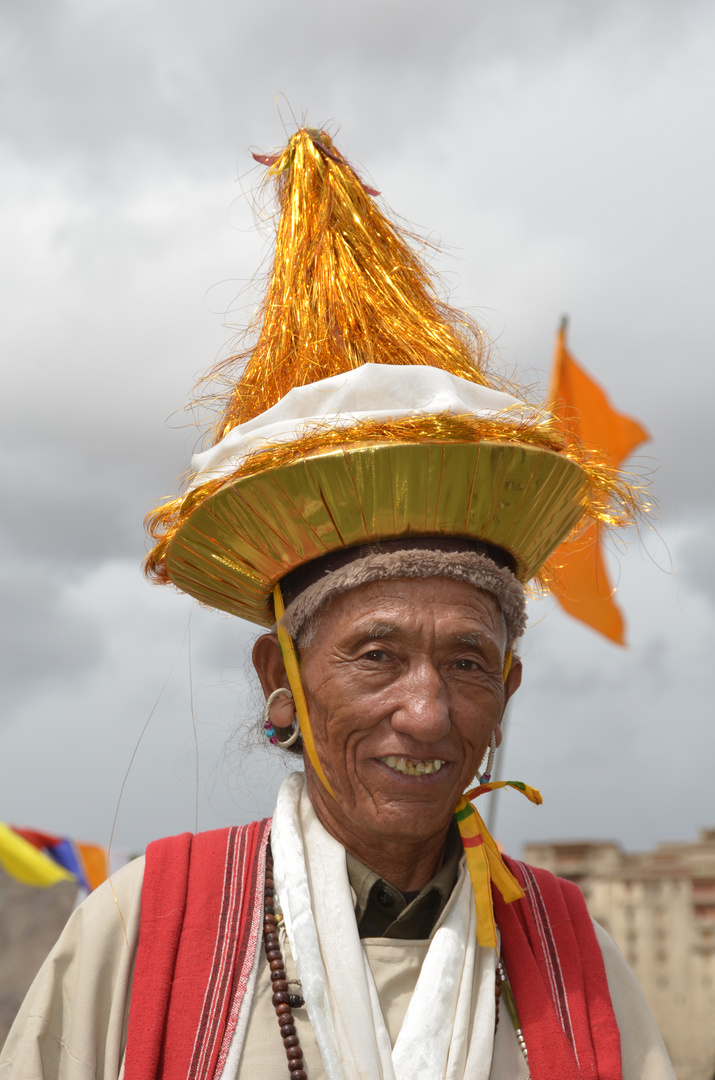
[26,864]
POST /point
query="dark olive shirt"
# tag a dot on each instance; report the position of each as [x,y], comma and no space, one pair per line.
[382,910]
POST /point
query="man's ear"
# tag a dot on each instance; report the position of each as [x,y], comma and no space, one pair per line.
[513,680]
[268,662]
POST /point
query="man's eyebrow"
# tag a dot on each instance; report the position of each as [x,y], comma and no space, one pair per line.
[479,639]
[364,631]
[382,630]
[376,631]
[474,640]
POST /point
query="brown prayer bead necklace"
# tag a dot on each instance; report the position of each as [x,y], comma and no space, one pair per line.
[283,1002]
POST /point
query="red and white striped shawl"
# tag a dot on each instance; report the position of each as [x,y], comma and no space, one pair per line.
[202,907]
[556,971]
[202,904]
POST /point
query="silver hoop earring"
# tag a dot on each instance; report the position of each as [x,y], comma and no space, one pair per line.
[268,726]
[489,771]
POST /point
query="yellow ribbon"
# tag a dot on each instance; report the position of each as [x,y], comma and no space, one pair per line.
[296,687]
[484,861]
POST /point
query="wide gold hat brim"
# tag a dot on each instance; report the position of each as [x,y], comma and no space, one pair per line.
[240,541]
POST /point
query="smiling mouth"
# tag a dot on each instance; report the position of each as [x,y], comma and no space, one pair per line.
[412,767]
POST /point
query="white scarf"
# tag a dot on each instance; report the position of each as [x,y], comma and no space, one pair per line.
[448,1030]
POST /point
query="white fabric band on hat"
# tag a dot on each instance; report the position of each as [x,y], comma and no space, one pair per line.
[469,566]
[379,392]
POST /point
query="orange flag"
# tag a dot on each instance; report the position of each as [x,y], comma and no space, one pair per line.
[95,864]
[583,588]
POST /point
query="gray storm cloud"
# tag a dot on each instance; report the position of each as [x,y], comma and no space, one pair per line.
[556,149]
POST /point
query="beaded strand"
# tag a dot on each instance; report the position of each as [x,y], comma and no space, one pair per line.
[283,1002]
[506,993]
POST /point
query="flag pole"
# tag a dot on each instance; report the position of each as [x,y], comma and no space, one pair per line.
[556,366]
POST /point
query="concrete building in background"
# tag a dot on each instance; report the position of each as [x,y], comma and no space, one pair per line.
[31,920]
[659,906]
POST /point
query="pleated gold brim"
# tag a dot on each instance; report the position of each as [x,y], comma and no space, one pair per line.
[245,537]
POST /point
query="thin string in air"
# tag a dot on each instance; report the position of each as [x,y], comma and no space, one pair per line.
[135,752]
[492,806]
[193,723]
[282,94]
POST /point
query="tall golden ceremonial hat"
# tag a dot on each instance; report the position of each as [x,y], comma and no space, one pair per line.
[364,412]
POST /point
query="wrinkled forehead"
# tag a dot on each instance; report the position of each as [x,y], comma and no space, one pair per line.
[435,609]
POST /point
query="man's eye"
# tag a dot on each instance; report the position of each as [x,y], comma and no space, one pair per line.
[375,656]
[466,665]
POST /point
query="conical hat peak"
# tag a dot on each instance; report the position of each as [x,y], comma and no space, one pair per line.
[345,289]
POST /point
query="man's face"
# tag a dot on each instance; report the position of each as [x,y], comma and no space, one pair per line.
[403,682]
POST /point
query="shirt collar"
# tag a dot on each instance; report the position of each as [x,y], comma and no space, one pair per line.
[382,910]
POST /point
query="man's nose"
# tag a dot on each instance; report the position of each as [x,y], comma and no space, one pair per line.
[422,708]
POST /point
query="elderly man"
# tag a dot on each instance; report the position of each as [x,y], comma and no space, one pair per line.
[377,505]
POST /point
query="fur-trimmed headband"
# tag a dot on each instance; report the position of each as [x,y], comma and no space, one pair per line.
[469,566]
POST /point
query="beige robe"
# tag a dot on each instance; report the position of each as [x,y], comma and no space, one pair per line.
[72,1025]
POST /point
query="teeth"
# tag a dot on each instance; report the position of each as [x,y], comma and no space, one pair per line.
[410,767]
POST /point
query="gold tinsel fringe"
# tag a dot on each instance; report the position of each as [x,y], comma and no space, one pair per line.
[613,499]
[345,289]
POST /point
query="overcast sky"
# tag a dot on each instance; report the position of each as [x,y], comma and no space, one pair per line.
[562,153]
